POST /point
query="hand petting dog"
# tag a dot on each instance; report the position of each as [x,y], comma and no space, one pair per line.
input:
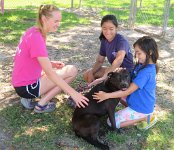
[100,96]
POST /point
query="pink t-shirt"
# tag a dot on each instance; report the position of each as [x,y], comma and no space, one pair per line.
[27,69]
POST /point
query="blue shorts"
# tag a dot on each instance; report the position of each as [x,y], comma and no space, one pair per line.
[29,91]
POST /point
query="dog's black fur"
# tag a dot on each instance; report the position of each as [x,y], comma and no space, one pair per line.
[86,122]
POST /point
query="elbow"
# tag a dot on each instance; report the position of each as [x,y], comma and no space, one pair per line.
[99,61]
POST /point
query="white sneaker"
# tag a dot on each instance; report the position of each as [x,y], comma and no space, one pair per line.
[144,125]
[28,103]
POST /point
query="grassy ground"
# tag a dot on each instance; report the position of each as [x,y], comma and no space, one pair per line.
[149,12]
[27,130]
[14,22]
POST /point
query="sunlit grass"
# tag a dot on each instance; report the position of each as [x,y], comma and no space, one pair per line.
[150,12]
[121,15]
[13,23]
[34,3]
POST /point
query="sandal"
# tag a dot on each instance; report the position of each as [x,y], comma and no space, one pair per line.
[46,108]
[71,102]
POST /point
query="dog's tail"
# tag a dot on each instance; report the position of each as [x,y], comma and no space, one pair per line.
[96,143]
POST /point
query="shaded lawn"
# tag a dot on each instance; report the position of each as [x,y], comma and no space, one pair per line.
[42,131]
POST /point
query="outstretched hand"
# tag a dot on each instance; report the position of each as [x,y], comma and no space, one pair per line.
[80,100]
[100,96]
[57,64]
[97,81]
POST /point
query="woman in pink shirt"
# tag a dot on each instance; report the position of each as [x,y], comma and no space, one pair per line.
[34,75]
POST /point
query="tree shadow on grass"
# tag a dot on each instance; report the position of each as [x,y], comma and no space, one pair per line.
[14,22]
[30,130]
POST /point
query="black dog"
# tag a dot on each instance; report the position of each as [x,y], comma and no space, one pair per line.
[86,122]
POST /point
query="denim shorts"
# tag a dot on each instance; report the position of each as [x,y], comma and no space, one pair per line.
[29,91]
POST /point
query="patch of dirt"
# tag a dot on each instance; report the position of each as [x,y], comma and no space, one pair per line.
[79,46]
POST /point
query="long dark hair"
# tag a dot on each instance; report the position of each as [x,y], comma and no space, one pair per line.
[107,18]
[149,46]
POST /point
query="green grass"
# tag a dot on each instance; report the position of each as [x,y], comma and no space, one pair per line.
[42,131]
[151,12]
[14,22]
[162,136]
[20,4]
[37,131]
[122,15]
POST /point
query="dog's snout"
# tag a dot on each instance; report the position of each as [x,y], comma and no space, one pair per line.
[124,85]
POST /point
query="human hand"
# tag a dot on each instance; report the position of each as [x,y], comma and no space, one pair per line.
[80,100]
[118,69]
[97,81]
[100,96]
[57,64]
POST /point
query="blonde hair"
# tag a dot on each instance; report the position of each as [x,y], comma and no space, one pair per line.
[45,10]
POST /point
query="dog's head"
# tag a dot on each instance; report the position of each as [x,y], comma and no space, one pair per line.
[118,80]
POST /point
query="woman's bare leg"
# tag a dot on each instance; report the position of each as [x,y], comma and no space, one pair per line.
[49,89]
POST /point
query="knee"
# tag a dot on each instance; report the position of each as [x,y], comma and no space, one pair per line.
[72,70]
[86,74]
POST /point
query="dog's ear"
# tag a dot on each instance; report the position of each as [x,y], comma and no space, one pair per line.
[110,74]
